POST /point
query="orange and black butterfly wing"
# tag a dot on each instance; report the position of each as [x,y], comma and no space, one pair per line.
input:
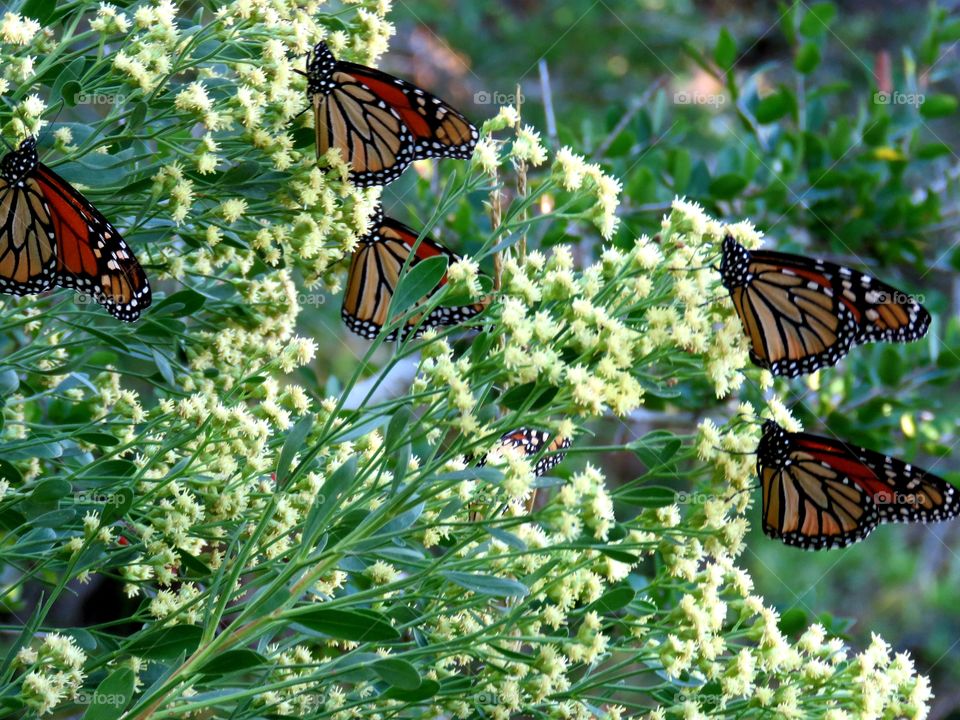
[821,493]
[437,128]
[370,135]
[801,315]
[28,251]
[374,272]
[791,314]
[379,123]
[92,257]
[535,442]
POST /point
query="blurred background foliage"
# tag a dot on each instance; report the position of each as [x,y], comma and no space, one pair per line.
[832,127]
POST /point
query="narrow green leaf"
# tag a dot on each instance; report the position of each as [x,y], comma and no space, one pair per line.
[818,18]
[612,600]
[725,187]
[165,643]
[50,489]
[9,382]
[291,446]
[487,584]
[428,688]
[725,51]
[937,106]
[647,497]
[808,58]
[111,697]
[356,625]
[233,661]
[419,282]
[398,673]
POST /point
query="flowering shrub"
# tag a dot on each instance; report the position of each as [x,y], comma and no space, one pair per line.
[287,553]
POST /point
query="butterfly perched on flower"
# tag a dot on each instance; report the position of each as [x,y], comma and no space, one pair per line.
[532,442]
[380,123]
[375,270]
[51,236]
[823,493]
[801,315]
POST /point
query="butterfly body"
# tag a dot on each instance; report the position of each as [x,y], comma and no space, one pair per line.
[822,493]
[375,271]
[380,123]
[50,235]
[802,314]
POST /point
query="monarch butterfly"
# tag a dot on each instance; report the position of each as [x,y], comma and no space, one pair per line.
[380,123]
[532,442]
[374,270]
[50,235]
[801,315]
[821,493]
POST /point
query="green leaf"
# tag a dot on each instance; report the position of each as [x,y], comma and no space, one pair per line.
[398,427]
[121,501]
[97,438]
[808,58]
[818,18]
[109,470]
[890,368]
[653,496]
[724,187]
[428,688]
[792,621]
[725,52]
[50,489]
[43,11]
[356,625]
[528,396]
[612,600]
[774,106]
[111,697]
[163,366]
[937,106]
[180,304]
[291,446]
[487,584]
[398,673]
[419,282]
[233,661]
[9,473]
[165,643]
[9,382]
